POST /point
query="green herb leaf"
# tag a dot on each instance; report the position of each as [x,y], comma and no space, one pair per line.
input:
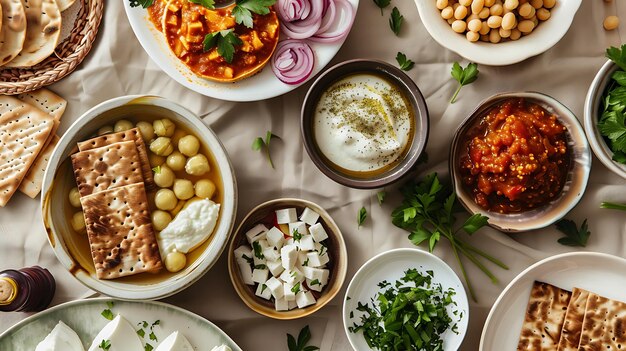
[143,3]
[209,4]
[110,304]
[382,4]
[474,223]
[148,347]
[107,314]
[315,282]
[618,56]
[225,41]
[141,333]
[297,236]
[258,250]
[404,63]
[361,216]
[259,144]
[303,339]
[244,8]
[157,170]
[613,206]
[105,344]
[573,235]
[395,21]
[464,76]
[381,197]
[152,336]
[296,288]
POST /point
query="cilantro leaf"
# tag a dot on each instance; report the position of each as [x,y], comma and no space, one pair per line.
[395,21]
[573,235]
[404,63]
[209,4]
[303,339]
[464,76]
[143,3]
[242,12]
[382,4]
[361,216]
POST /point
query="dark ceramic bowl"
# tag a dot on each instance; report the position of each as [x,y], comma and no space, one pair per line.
[397,78]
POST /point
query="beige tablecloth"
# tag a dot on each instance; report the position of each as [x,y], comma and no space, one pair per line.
[119,66]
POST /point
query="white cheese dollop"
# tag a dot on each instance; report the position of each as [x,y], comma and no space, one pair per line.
[175,342]
[61,338]
[120,334]
[190,228]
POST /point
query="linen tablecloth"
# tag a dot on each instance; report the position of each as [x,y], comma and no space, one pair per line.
[118,66]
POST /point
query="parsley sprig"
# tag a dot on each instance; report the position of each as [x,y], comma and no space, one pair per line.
[464,76]
[260,143]
[105,344]
[404,63]
[612,123]
[573,235]
[209,4]
[303,339]
[427,212]
[395,21]
[244,8]
[225,41]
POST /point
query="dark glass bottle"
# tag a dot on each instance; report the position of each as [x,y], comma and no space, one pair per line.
[26,290]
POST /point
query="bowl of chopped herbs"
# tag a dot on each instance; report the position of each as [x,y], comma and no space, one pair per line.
[605,112]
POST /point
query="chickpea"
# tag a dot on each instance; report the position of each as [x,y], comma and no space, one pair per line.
[549,3]
[178,208]
[164,178]
[178,134]
[75,198]
[122,125]
[459,26]
[509,21]
[199,165]
[494,22]
[494,36]
[466,3]
[504,33]
[455,5]
[183,189]
[496,10]
[484,13]
[164,127]
[442,4]
[489,3]
[526,26]
[611,22]
[485,29]
[537,4]
[155,160]
[189,145]
[176,161]
[165,200]
[533,12]
[175,261]
[146,130]
[515,34]
[471,17]
[451,20]
[460,12]
[525,10]
[511,4]
[472,36]
[484,37]
[447,13]
[474,25]
[160,220]
[162,146]
[205,188]
[543,14]
[477,6]
[78,221]
[105,130]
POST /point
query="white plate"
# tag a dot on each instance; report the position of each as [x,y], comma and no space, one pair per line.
[84,317]
[263,85]
[600,273]
[390,266]
[546,35]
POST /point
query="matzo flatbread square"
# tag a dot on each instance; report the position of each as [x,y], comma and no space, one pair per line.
[573,324]
[604,325]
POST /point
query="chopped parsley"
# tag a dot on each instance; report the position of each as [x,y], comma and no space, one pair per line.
[315,282]
[258,250]
[107,313]
[244,8]
[225,41]
[296,235]
[105,344]
[296,288]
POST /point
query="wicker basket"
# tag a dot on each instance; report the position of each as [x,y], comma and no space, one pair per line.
[68,55]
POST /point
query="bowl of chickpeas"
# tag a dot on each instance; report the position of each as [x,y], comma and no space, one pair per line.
[186,163]
[497,32]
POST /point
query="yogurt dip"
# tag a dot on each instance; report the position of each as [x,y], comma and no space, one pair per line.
[363,124]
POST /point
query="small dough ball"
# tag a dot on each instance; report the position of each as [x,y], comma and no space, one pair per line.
[183,189]
[75,198]
[160,220]
[146,130]
[205,188]
[526,26]
[199,164]
[474,25]
[122,125]
[162,146]
[165,177]
[460,12]
[155,160]
[447,13]
[494,22]
[189,145]
[105,130]
[178,134]
[176,161]
[165,200]
[78,221]
[175,261]
[472,36]
[611,22]
[549,3]
[459,26]
[164,127]
[442,4]
[509,21]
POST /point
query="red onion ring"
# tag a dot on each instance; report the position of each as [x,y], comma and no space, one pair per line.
[328,18]
[298,22]
[337,27]
[293,61]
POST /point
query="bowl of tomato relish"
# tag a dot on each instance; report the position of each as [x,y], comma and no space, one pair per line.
[521,159]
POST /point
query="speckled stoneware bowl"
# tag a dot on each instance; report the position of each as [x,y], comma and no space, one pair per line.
[593,106]
[575,183]
[336,249]
[55,206]
[394,76]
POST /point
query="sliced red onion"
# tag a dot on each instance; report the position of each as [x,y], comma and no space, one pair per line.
[300,19]
[291,10]
[328,18]
[293,61]
[337,27]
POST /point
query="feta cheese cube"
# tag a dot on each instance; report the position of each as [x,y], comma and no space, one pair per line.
[290,241]
[317,260]
[281,305]
[316,274]
[259,260]
[292,304]
[306,243]
[276,287]
[314,285]
[275,237]
[275,267]
[304,299]
[302,262]
[289,255]
[243,253]
[309,216]
[260,275]
[263,292]
[264,244]
[299,227]
[246,273]
[318,232]
[287,215]
[292,276]
[256,233]
[289,293]
[271,254]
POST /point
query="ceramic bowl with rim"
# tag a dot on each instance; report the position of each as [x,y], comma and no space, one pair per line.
[575,183]
[336,249]
[396,77]
[56,211]
[545,36]
[593,106]
[390,266]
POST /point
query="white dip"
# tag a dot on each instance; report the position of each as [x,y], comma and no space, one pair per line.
[190,228]
[362,123]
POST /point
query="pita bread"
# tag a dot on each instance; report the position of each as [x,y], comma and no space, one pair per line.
[43,30]
[13,30]
[106,167]
[47,101]
[604,326]
[120,232]
[65,4]
[128,135]
[23,132]
[31,184]
[544,318]
[573,324]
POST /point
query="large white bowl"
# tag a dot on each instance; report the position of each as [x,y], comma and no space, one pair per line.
[54,197]
[546,35]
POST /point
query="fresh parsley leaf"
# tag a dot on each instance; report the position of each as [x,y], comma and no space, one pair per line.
[250,260]
[105,344]
[464,76]
[258,250]
[143,3]
[157,322]
[361,216]
[152,336]
[110,304]
[382,4]
[404,63]
[612,123]
[303,339]
[573,235]
[297,236]
[315,282]
[209,4]
[613,206]
[141,333]
[242,12]
[474,223]
[395,21]
[107,314]
[260,143]
[148,347]
[381,196]
[263,287]
[225,41]
[618,56]
[157,170]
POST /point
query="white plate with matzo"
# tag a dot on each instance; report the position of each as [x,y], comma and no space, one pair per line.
[600,273]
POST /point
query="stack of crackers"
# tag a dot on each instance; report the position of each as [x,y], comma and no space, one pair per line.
[560,320]
[28,125]
[112,172]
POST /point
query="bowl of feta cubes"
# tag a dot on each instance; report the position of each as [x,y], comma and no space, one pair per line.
[287,259]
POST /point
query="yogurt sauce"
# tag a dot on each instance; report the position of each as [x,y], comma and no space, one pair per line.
[363,124]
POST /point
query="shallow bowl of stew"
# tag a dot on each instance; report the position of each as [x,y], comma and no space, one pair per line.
[521,159]
[71,242]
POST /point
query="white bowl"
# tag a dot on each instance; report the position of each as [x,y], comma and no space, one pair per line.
[54,198]
[546,35]
[390,266]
